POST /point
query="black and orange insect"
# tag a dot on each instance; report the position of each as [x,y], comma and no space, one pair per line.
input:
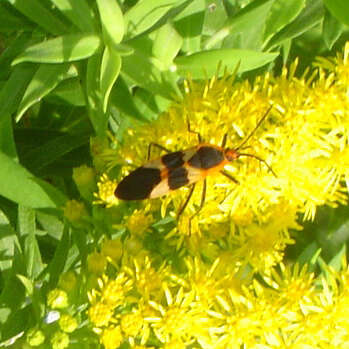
[180,168]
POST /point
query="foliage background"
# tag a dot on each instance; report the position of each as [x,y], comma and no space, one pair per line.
[74,69]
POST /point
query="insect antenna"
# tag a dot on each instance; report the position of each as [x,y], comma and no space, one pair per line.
[259,159]
[254,130]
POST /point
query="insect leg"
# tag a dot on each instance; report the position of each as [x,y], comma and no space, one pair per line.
[195,132]
[203,197]
[230,177]
[157,146]
[186,201]
[224,140]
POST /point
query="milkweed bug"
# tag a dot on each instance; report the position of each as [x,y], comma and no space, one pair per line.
[180,168]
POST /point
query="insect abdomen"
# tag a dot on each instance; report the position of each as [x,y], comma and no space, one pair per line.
[139,184]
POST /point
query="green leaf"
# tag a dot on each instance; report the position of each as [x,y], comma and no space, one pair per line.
[339,9]
[331,29]
[7,143]
[26,229]
[69,92]
[10,20]
[123,100]
[98,119]
[32,192]
[205,63]
[57,263]
[112,20]
[147,13]
[78,11]
[8,243]
[28,285]
[282,13]
[47,153]
[66,48]
[35,11]
[189,25]
[110,69]
[166,45]
[46,78]
[308,18]
[245,20]
[13,90]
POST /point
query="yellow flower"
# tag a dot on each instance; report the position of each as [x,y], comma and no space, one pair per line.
[100,314]
[68,281]
[112,338]
[106,189]
[57,299]
[84,178]
[139,222]
[96,263]
[35,337]
[74,211]
[59,340]
[178,319]
[112,249]
[67,323]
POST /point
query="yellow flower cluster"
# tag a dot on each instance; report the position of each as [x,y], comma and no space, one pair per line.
[304,139]
[146,305]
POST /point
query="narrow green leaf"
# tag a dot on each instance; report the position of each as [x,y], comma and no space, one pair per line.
[166,45]
[146,13]
[26,229]
[112,20]
[46,78]
[78,11]
[35,11]
[98,119]
[123,100]
[13,90]
[244,20]
[32,192]
[205,63]
[7,143]
[69,92]
[110,69]
[339,9]
[189,25]
[49,152]
[9,20]
[28,285]
[57,263]
[309,17]
[66,48]
[331,29]
[8,243]
[282,13]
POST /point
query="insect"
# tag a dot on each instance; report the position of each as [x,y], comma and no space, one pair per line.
[180,168]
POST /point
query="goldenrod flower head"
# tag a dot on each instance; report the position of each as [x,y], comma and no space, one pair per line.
[68,281]
[100,314]
[146,278]
[74,211]
[84,178]
[139,222]
[112,337]
[96,263]
[106,189]
[59,340]
[304,139]
[112,249]
[35,337]
[57,299]
[67,323]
